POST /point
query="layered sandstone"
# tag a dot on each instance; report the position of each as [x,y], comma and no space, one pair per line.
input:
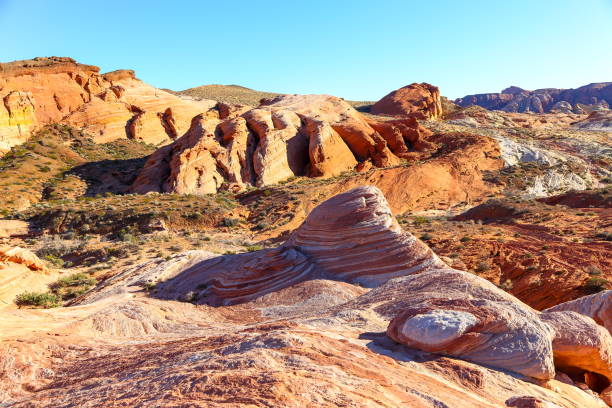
[20,271]
[302,331]
[108,106]
[597,306]
[421,101]
[290,135]
[373,250]
[597,120]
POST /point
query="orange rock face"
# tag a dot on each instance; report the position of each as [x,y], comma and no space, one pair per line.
[421,101]
[109,106]
[290,135]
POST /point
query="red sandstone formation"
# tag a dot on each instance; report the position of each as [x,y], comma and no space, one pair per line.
[109,106]
[290,135]
[421,101]
[309,337]
[21,270]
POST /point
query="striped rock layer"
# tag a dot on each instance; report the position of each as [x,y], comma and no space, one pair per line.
[597,306]
[351,237]
[424,304]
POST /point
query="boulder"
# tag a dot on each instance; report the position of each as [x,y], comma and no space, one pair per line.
[581,348]
[421,101]
[597,306]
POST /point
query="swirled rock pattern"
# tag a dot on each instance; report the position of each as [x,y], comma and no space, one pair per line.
[282,317]
[597,306]
[455,313]
[581,347]
[290,135]
[352,237]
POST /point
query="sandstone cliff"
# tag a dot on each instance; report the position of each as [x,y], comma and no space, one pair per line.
[108,106]
[290,135]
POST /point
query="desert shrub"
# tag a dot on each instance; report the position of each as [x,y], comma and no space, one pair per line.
[483,266]
[72,286]
[605,236]
[76,279]
[54,260]
[194,216]
[507,285]
[37,299]
[426,237]
[253,248]
[58,247]
[126,235]
[418,220]
[465,239]
[230,222]
[595,285]
[593,271]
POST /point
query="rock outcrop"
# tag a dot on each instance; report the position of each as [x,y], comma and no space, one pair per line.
[597,120]
[373,249]
[290,135]
[421,101]
[353,237]
[20,271]
[108,106]
[597,306]
[298,327]
[581,348]
[587,98]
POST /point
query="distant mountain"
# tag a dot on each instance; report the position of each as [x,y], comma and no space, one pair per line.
[588,98]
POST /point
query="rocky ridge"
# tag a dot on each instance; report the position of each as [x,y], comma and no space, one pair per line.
[595,96]
[232,147]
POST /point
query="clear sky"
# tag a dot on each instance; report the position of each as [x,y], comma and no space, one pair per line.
[357,49]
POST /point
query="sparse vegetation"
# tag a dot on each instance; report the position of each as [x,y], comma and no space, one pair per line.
[37,299]
[596,284]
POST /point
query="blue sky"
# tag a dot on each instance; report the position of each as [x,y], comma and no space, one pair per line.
[354,49]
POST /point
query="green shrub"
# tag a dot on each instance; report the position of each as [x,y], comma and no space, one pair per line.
[418,220]
[230,222]
[465,239]
[426,237]
[253,248]
[72,286]
[595,285]
[76,279]
[54,260]
[38,299]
